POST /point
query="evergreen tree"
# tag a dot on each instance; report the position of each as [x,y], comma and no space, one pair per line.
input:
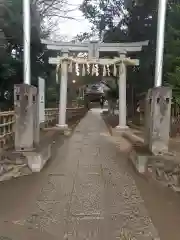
[172,51]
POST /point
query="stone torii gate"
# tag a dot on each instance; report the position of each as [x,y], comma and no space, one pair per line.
[93,49]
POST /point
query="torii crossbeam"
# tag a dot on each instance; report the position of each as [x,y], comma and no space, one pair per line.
[93,48]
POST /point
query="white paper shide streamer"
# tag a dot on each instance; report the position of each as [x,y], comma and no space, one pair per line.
[108,70]
[77,69]
[83,70]
[115,71]
[88,68]
[97,70]
[57,73]
[104,71]
[70,67]
[93,70]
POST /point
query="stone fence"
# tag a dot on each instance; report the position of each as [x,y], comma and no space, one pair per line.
[7,123]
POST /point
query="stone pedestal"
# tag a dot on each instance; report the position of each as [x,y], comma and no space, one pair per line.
[122,129]
[62,127]
[26,114]
[158,113]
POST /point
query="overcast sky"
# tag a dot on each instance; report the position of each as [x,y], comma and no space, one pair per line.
[70,28]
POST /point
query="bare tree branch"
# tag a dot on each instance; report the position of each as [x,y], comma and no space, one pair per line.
[52,11]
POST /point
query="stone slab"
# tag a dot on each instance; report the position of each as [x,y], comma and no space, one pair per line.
[164,168]
[139,161]
[37,160]
[42,125]
[133,138]
[24,163]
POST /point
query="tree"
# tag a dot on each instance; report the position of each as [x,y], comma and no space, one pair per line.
[102,13]
[133,24]
[142,25]
[172,51]
[137,23]
[12,62]
[117,21]
[11,40]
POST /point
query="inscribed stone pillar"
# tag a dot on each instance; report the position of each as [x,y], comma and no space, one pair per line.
[159,121]
[41,100]
[122,97]
[24,116]
[63,93]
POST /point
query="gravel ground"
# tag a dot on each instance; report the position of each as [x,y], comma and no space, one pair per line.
[162,203]
[86,192]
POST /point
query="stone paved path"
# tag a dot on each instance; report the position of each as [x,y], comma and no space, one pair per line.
[89,194]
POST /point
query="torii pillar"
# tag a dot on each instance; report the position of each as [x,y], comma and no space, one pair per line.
[63,93]
[122,96]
